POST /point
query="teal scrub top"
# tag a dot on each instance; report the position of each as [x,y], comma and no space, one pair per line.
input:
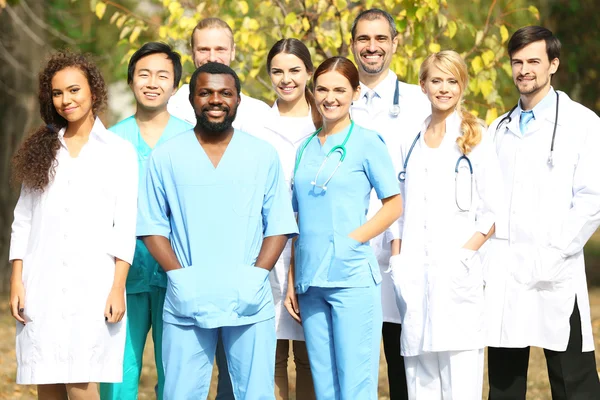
[145,271]
[215,219]
[324,254]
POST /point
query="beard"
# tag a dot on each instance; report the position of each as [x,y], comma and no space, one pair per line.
[535,87]
[215,128]
[371,68]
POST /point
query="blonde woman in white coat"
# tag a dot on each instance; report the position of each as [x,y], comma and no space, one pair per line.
[450,186]
[292,120]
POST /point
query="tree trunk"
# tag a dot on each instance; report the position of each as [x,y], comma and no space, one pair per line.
[22,49]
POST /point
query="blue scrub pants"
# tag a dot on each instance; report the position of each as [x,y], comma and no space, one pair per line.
[342,327]
[144,311]
[189,351]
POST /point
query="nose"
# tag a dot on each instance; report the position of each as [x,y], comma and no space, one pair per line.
[525,68]
[444,87]
[66,98]
[372,45]
[152,81]
[215,98]
[213,56]
[330,98]
[286,77]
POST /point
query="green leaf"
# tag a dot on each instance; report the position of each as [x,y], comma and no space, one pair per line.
[290,18]
[100,9]
[421,13]
[534,11]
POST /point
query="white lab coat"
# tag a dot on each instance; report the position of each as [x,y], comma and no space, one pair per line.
[534,275]
[414,108]
[440,284]
[251,113]
[68,238]
[286,134]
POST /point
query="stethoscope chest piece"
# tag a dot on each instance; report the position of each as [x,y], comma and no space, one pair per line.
[394,110]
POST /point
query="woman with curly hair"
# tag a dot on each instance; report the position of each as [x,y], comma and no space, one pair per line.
[73,237]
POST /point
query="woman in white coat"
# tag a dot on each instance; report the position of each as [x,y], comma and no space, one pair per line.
[449,183]
[73,238]
[292,120]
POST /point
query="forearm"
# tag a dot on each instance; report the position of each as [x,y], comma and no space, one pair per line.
[478,239]
[390,212]
[121,270]
[17,271]
[160,248]
[396,245]
[270,251]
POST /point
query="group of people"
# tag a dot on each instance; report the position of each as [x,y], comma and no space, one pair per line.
[361,209]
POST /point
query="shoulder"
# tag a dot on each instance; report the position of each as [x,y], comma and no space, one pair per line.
[125,129]
[255,143]
[367,135]
[256,104]
[576,110]
[180,124]
[175,144]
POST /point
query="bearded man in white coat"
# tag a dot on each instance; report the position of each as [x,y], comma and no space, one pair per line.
[393,109]
[212,41]
[536,292]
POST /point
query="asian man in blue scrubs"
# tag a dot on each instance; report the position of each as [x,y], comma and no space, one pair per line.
[215,213]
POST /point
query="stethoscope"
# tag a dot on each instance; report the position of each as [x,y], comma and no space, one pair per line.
[341,148]
[506,120]
[402,174]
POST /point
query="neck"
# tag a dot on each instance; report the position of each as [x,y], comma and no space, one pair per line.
[294,108]
[330,127]
[213,138]
[81,128]
[372,80]
[529,101]
[158,117]
[437,126]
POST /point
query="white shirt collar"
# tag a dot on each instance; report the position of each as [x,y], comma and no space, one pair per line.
[98,133]
[385,89]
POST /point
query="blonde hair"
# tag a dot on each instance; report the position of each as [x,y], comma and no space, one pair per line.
[451,62]
[211,23]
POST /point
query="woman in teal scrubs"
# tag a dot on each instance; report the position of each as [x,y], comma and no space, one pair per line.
[336,276]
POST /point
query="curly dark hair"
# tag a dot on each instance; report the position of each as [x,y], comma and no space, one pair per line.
[34,163]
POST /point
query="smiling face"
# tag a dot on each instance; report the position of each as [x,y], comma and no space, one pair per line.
[442,89]
[288,76]
[71,94]
[373,46]
[153,82]
[334,95]
[531,68]
[212,45]
[215,102]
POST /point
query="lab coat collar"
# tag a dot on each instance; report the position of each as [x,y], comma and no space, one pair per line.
[385,89]
[276,123]
[98,132]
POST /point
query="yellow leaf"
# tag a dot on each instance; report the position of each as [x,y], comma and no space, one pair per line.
[341,4]
[486,86]
[506,67]
[243,7]
[491,115]
[421,13]
[305,24]
[452,29]
[121,21]
[162,32]
[478,37]
[477,64]
[124,32]
[534,11]
[504,33]
[434,47]
[488,57]
[100,9]
[114,17]
[290,18]
[135,34]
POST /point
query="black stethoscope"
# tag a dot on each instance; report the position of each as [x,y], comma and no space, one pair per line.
[506,120]
[395,108]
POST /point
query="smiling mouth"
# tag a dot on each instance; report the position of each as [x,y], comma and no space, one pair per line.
[287,89]
[372,57]
[151,95]
[215,113]
[69,110]
[330,107]
[444,98]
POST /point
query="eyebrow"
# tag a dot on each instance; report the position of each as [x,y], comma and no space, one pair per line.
[160,71]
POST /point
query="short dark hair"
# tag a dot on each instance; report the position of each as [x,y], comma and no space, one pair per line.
[530,34]
[373,14]
[215,69]
[156,48]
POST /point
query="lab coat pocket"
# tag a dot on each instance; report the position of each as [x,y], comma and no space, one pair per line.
[466,277]
[408,282]
[254,292]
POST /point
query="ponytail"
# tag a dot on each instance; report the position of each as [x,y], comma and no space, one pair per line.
[471,131]
[34,164]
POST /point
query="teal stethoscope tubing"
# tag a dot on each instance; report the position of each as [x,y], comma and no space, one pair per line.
[341,148]
[402,174]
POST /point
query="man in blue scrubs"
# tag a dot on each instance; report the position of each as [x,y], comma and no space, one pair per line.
[153,75]
[215,213]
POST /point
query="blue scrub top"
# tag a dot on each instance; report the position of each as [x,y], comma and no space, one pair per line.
[324,254]
[215,219]
[145,271]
